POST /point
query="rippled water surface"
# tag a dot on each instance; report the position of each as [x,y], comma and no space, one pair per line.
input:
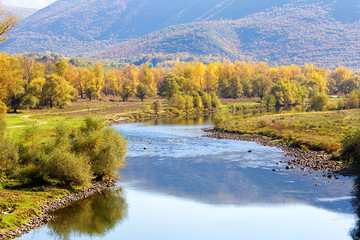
[179,184]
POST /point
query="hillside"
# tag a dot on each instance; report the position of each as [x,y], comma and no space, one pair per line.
[20,12]
[282,31]
[285,35]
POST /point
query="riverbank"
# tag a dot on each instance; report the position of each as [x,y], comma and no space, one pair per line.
[43,218]
[305,160]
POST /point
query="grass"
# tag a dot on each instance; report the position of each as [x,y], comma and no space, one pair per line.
[310,130]
[19,203]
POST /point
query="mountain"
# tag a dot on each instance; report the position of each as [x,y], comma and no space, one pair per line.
[291,34]
[20,12]
[280,31]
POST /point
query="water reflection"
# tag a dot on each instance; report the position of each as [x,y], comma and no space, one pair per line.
[179,162]
[355,233]
[183,120]
[94,216]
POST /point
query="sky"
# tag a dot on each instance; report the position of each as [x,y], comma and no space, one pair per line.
[38,4]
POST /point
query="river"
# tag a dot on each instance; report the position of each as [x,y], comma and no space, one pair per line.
[179,184]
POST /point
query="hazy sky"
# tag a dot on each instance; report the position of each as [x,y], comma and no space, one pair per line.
[28,3]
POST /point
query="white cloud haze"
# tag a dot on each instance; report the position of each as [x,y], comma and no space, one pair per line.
[28,3]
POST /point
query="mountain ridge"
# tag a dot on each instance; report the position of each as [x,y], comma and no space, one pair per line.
[282,31]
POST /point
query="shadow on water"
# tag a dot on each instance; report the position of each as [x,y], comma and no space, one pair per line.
[355,233]
[94,216]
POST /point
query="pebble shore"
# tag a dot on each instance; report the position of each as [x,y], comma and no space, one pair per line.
[44,218]
[305,160]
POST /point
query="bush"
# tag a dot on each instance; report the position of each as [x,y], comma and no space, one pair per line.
[215,102]
[206,100]
[319,102]
[104,147]
[198,104]
[157,106]
[178,102]
[350,152]
[352,101]
[189,102]
[69,168]
[32,173]
[219,119]
[262,123]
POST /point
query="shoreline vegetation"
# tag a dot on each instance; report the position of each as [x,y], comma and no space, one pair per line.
[38,93]
[43,217]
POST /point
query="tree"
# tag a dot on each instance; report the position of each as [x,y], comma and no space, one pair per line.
[142,91]
[10,78]
[6,24]
[282,91]
[61,68]
[349,85]
[261,85]
[319,102]
[57,91]
[170,86]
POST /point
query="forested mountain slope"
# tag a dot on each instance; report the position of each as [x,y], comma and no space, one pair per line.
[280,31]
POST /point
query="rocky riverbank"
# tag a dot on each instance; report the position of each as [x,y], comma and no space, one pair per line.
[44,218]
[304,160]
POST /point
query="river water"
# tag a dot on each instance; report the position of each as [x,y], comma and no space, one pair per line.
[179,184]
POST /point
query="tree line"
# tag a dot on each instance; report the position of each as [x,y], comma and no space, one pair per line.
[26,83]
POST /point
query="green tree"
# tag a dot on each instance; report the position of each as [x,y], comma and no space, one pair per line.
[142,91]
[261,85]
[319,102]
[170,86]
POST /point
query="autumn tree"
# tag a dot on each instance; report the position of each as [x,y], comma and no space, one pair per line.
[96,82]
[261,85]
[57,91]
[10,78]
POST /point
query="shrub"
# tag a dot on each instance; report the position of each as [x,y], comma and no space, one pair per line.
[69,168]
[32,173]
[189,102]
[215,102]
[104,147]
[352,101]
[350,152]
[178,102]
[219,119]
[157,106]
[198,104]
[206,100]
[319,102]
[262,123]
